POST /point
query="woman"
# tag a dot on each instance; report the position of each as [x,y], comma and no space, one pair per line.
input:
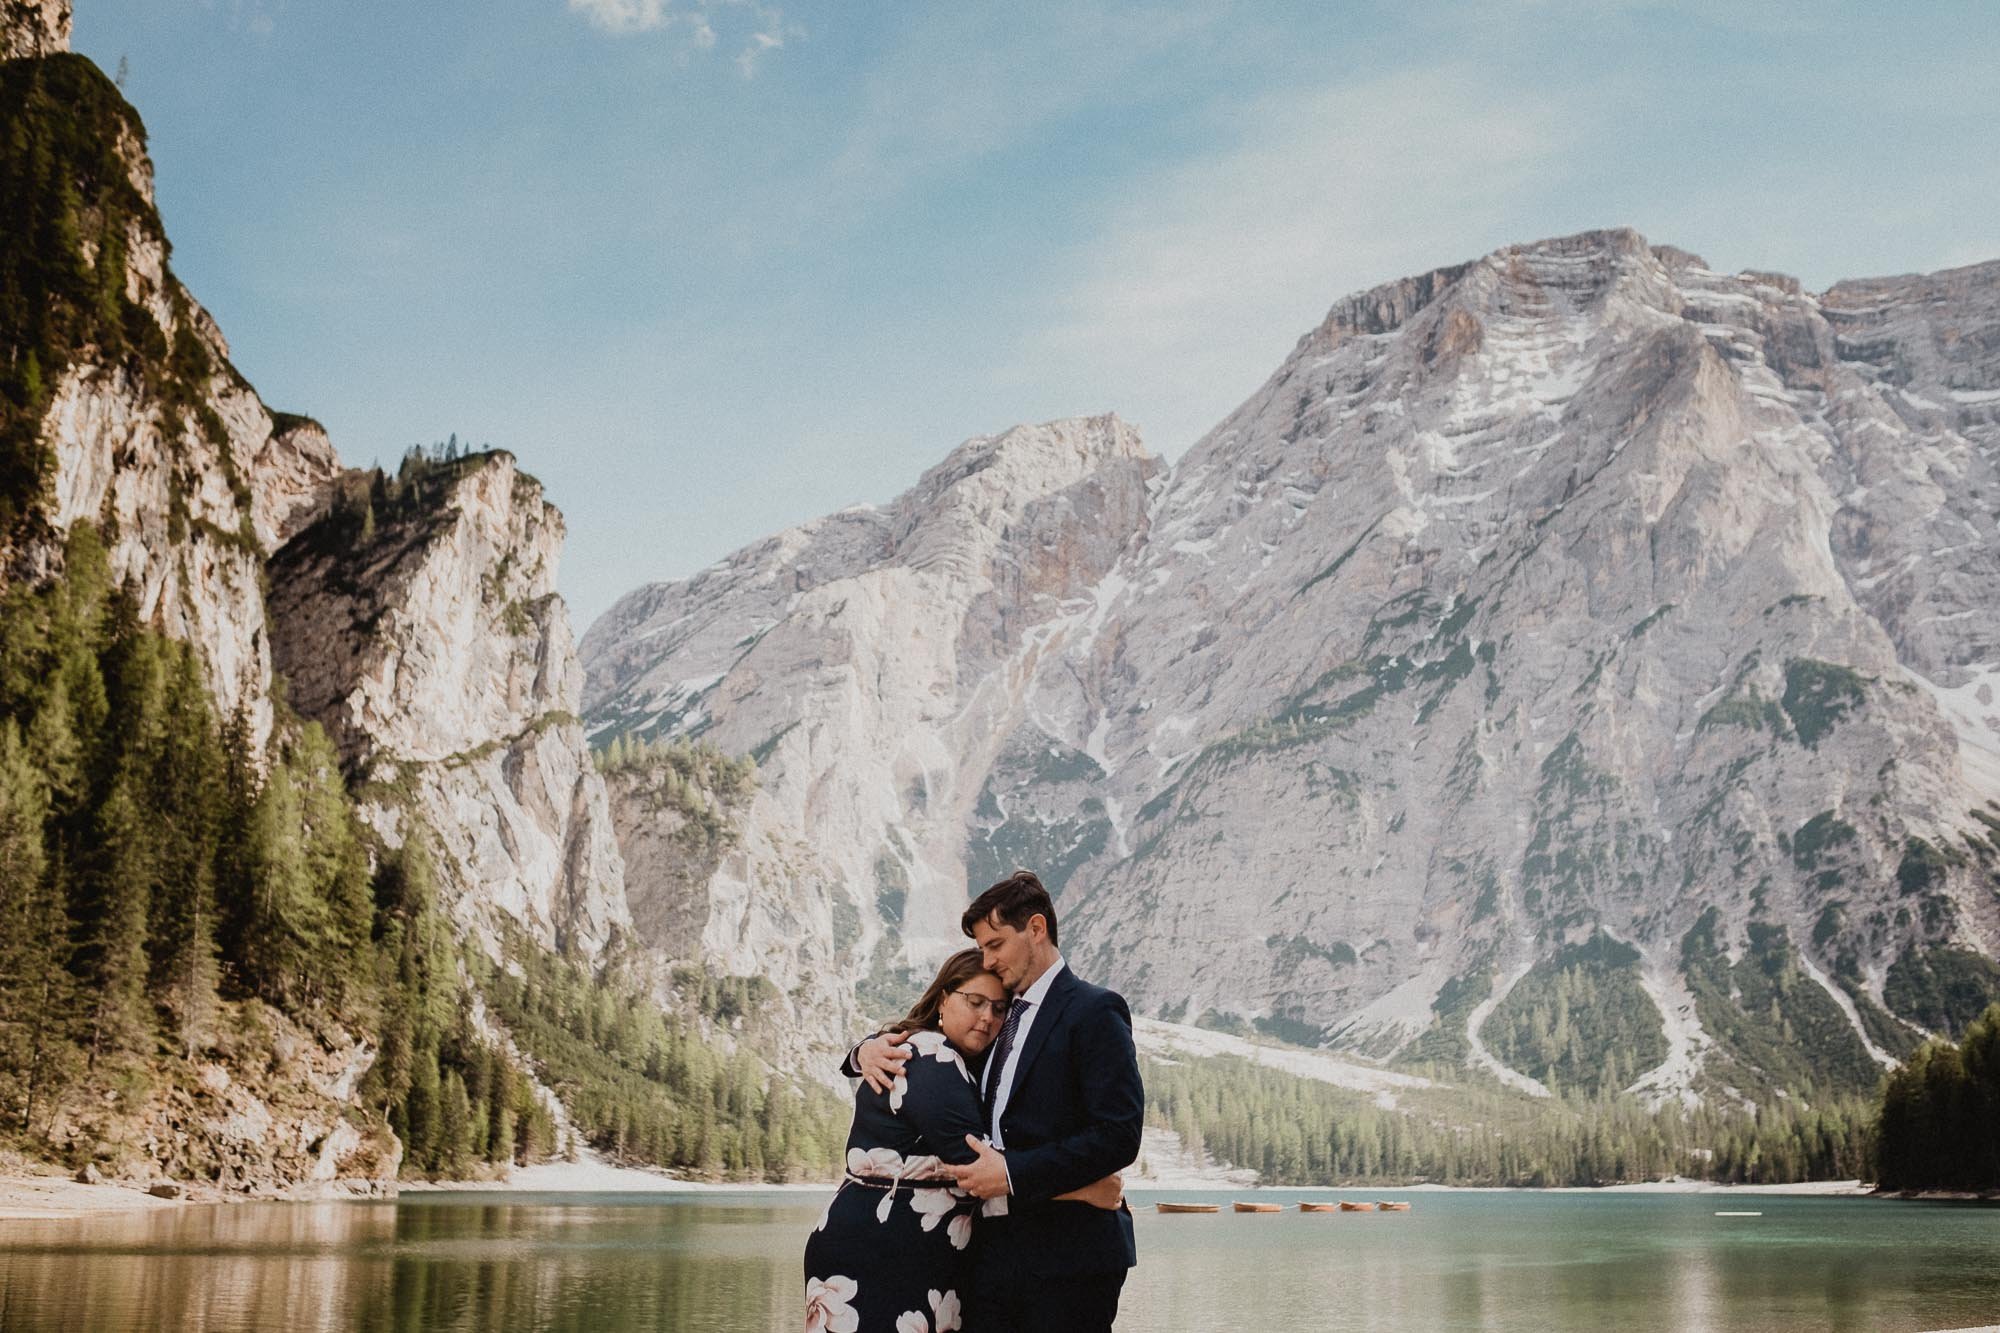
[890,1254]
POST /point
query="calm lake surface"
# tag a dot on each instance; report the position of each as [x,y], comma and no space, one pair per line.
[1501,1260]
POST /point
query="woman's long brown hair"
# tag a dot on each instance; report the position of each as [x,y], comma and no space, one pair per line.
[958,969]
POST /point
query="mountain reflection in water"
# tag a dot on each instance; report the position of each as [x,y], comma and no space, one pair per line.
[1499,1260]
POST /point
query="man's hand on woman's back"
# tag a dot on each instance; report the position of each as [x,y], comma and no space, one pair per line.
[881,1059]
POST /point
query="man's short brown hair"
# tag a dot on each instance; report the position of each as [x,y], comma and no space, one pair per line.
[1013,900]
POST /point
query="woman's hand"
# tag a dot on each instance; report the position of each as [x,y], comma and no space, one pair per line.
[1107,1193]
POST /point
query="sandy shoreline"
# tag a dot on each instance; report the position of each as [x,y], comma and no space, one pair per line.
[52,1197]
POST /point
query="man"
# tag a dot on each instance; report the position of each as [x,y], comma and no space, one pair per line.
[1064,1107]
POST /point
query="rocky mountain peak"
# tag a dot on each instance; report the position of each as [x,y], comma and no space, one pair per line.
[1573,269]
[1533,616]
[1014,506]
[1026,462]
[31,28]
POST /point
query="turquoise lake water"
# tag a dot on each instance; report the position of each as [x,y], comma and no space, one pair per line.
[1498,1260]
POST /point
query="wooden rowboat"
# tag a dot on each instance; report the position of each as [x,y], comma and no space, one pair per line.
[1188,1207]
[1319,1207]
[1258,1207]
[1389,1207]
[1347,1207]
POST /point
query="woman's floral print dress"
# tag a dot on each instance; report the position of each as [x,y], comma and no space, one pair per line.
[890,1254]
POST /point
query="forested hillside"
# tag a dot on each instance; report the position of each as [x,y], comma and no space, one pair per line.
[1297,1131]
[178,907]
[1940,1119]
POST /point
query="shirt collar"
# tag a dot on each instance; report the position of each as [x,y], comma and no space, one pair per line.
[1038,992]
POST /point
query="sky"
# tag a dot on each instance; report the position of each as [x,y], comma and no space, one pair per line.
[710,268]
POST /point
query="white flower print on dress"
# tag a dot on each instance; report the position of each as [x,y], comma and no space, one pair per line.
[932,1205]
[913,1321]
[875,1162]
[829,1307]
[931,1042]
[959,1229]
[945,1312]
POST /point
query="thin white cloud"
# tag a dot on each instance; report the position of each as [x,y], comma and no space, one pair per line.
[760,42]
[628,15]
[696,18]
[1193,286]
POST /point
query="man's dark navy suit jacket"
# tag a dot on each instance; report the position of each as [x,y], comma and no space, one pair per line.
[1073,1117]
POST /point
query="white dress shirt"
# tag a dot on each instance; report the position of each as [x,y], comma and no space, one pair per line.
[1035,995]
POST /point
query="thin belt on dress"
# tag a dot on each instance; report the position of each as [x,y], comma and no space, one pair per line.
[906,1182]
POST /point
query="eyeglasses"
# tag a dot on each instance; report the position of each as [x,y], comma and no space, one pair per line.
[980,1003]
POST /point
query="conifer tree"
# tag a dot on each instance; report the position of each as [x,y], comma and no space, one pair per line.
[56,750]
[285,921]
[416,982]
[116,900]
[36,992]
[185,792]
[337,873]
[422,1113]
[454,1145]
[235,871]
[500,1143]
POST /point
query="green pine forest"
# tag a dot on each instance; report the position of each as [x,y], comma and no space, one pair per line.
[1296,1131]
[1940,1117]
[170,899]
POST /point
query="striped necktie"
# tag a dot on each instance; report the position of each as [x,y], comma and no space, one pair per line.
[996,1064]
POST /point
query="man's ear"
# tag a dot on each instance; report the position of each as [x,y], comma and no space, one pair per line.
[1038,926]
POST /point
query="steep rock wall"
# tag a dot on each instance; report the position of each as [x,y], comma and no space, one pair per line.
[431,644]
[870,662]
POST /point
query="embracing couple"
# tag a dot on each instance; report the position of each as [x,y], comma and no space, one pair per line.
[982,1190]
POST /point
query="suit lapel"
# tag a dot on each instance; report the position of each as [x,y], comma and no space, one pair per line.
[1040,1029]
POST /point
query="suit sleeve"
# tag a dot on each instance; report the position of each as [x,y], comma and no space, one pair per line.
[943,1107]
[851,1066]
[1114,1107]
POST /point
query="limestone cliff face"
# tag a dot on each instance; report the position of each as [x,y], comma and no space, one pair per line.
[431,644]
[871,663]
[1578,591]
[149,431]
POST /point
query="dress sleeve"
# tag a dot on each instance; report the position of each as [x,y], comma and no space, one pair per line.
[942,1106]
[851,1066]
